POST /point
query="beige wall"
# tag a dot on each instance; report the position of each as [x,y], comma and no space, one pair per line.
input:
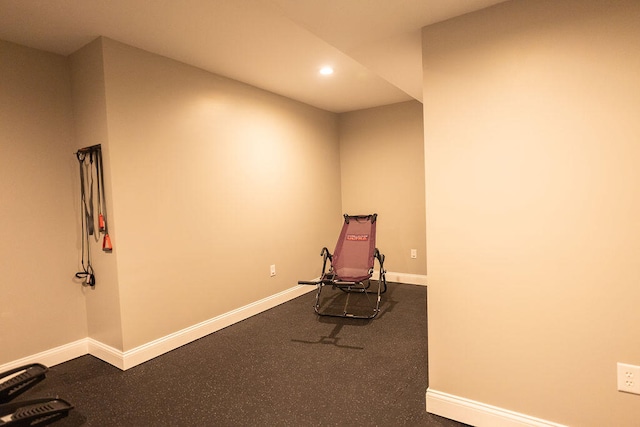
[531,146]
[90,116]
[213,181]
[208,181]
[382,165]
[41,305]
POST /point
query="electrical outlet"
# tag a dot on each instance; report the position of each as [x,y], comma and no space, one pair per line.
[414,253]
[272,270]
[628,378]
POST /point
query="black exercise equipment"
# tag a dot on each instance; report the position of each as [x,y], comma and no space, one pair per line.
[36,412]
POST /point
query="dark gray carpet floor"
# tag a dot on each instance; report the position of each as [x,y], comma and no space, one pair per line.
[284,367]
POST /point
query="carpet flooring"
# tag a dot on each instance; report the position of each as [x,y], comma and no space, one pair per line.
[284,367]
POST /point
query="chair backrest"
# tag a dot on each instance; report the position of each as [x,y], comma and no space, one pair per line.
[353,257]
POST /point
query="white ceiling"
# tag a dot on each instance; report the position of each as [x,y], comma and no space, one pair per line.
[277,45]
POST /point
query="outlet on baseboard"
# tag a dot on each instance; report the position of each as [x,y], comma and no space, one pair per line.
[628,378]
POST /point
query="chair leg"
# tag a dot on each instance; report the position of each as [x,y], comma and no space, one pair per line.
[349,288]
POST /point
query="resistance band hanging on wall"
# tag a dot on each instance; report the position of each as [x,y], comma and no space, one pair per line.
[91,171]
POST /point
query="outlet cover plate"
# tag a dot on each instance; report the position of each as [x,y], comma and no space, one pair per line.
[629,378]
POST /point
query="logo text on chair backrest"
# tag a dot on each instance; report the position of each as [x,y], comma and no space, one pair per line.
[358,237]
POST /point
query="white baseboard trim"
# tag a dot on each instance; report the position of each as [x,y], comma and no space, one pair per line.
[409,279]
[145,352]
[170,342]
[51,357]
[106,353]
[479,414]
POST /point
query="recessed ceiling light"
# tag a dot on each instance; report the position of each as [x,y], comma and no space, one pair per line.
[326,70]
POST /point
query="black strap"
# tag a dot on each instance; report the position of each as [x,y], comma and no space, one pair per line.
[87,275]
[102,205]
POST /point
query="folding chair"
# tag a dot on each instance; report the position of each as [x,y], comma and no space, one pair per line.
[350,269]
